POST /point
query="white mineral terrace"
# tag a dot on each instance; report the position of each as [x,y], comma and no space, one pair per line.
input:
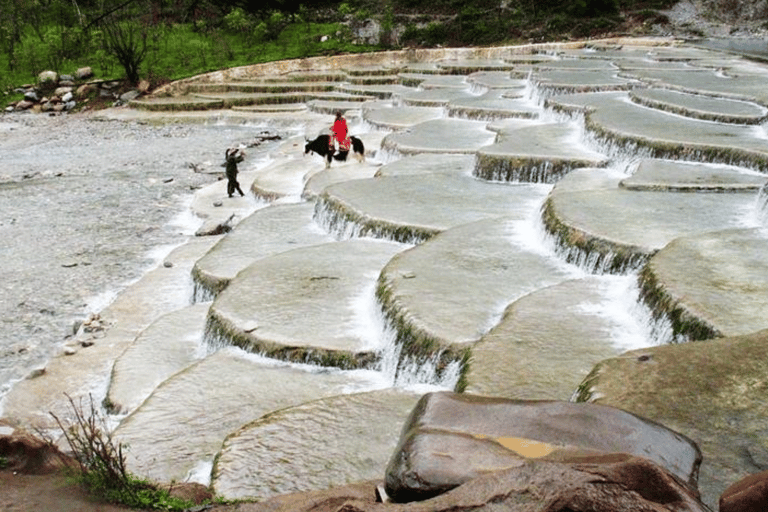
[491,242]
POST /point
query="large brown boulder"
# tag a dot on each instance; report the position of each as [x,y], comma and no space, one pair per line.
[452,438]
[618,483]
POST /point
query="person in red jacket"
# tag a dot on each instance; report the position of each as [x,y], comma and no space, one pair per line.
[340,133]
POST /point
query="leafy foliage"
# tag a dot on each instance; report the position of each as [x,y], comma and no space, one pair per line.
[166,40]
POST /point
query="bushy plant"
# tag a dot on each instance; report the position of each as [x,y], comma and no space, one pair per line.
[102,463]
[237,21]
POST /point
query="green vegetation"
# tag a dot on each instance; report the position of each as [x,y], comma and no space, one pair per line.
[102,464]
[162,40]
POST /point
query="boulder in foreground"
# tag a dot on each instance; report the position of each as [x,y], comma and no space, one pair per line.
[451,438]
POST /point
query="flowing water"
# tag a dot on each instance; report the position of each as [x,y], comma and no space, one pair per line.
[88,207]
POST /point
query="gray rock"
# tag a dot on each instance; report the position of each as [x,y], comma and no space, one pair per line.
[48,76]
[130,95]
[452,438]
[31,96]
[61,91]
[83,73]
[712,391]
[66,97]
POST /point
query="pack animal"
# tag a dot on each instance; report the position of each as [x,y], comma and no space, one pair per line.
[321,147]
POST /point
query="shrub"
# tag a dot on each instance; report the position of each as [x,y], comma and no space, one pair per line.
[102,464]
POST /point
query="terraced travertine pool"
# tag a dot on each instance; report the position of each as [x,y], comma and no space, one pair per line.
[493,242]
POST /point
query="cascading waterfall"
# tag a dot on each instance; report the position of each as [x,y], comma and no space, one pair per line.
[634,324]
[762,206]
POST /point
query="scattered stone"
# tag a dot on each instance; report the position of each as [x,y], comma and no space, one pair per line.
[167,264]
[130,95]
[143,86]
[84,73]
[48,77]
[84,90]
[189,491]
[218,203]
[37,372]
[31,96]
[623,483]
[61,91]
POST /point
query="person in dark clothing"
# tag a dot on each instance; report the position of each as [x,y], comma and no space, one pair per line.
[233,156]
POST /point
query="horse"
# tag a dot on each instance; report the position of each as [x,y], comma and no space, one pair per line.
[321,146]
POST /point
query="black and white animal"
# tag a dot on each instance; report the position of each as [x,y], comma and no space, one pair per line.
[321,147]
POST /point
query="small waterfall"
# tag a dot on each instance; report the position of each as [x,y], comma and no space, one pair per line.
[587,258]
[334,222]
[599,263]
[501,170]
[633,324]
[477,89]
[201,292]
[395,369]
[347,225]
[762,206]
[214,338]
[415,372]
[387,155]
[623,154]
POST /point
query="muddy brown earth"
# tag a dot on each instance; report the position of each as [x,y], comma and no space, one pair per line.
[52,493]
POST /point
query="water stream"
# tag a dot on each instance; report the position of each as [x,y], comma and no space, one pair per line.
[616,303]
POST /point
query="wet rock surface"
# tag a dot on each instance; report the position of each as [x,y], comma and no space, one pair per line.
[533,486]
[712,391]
[84,204]
[478,249]
[277,454]
[450,439]
[711,285]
